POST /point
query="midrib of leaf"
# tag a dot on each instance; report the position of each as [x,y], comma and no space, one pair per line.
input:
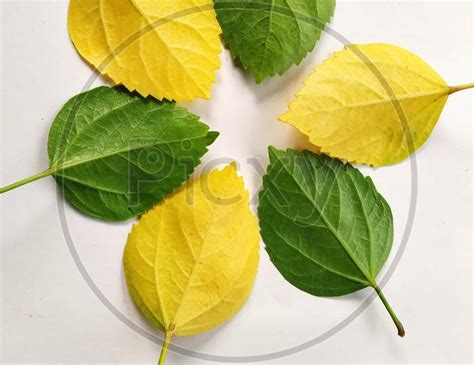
[300,45]
[281,9]
[116,152]
[312,259]
[377,138]
[157,286]
[331,228]
[69,178]
[369,229]
[59,174]
[270,20]
[149,22]
[387,100]
[223,296]
[197,262]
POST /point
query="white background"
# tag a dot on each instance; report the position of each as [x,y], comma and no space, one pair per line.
[49,314]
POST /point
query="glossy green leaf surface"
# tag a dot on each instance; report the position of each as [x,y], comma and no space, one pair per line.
[269,36]
[326,228]
[116,154]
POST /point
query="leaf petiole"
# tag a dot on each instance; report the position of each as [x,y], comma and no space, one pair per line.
[164,349]
[454,89]
[401,330]
[48,172]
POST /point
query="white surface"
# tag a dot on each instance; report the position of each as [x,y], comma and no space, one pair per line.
[50,315]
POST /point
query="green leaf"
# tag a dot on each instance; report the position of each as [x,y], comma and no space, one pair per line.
[116,154]
[269,36]
[326,228]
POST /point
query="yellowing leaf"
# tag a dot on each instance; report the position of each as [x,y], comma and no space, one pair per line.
[166,48]
[350,106]
[190,262]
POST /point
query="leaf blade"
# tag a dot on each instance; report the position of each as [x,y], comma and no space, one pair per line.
[318,226]
[116,154]
[269,36]
[193,264]
[149,46]
[374,104]
[315,250]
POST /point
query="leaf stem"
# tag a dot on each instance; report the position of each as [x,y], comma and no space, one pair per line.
[48,172]
[164,349]
[401,330]
[454,89]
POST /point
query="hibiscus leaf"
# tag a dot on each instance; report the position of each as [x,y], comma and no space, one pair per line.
[269,36]
[326,228]
[372,103]
[167,48]
[190,262]
[116,154]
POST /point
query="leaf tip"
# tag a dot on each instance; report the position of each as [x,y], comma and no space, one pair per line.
[284,117]
[273,152]
[232,166]
[211,137]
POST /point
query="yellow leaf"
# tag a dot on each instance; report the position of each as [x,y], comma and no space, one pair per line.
[167,48]
[190,262]
[350,106]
